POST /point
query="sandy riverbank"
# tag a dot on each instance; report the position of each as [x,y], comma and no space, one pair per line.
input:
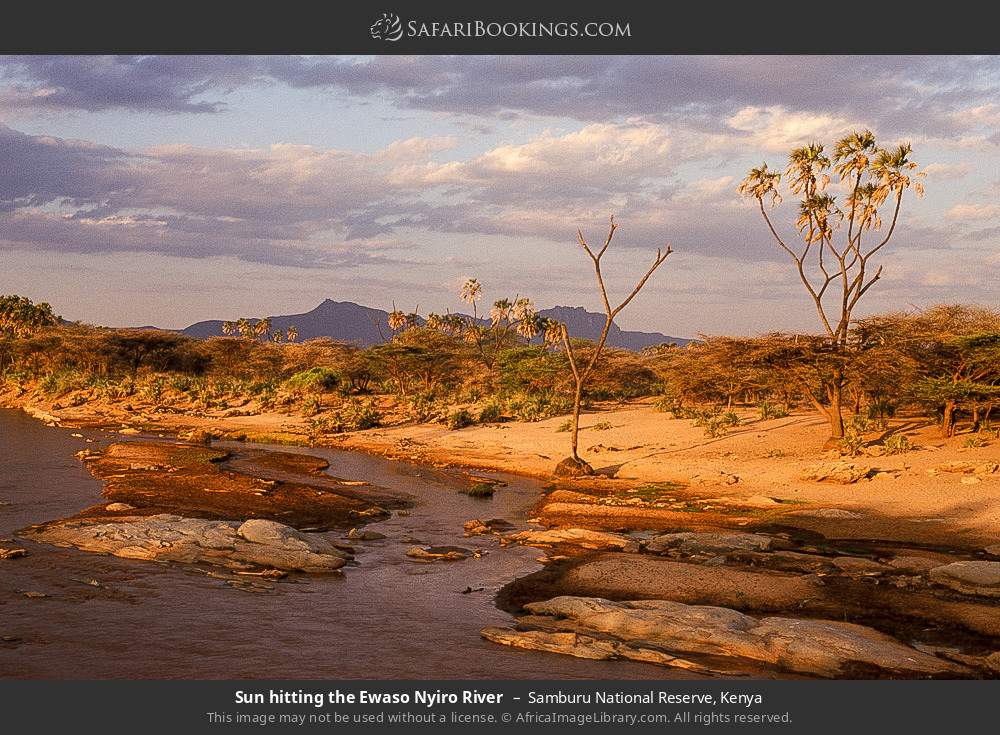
[927,494]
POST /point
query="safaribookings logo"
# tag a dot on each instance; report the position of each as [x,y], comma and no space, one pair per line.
[390,28]
[387,28]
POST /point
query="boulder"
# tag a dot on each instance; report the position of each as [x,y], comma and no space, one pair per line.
[358,534]
[580,537]
[118,507]
[980,578]
[167,537]
[824,648]
[707,544]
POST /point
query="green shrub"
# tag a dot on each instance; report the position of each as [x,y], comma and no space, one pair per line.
[974,442]
[565,425]
[603,426]
[538,407]
[424,408]
[313,380]
[491,412]
[481,490]
[768,410]
[352,415]
[311,406]
[460,419]
[853,441]
[60,382]
[897,444]
[714,421]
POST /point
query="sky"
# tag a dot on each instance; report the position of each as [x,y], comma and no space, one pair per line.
[166,190]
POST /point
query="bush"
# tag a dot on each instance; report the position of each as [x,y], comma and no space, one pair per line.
[768,410]
[565,425]
[538,407]
[603,426]
[714,422]
[853,441]
[897,444]
[423,408]
[352,415]
[481,490]
[491,412]
[313,380]
[460,419]
[311,406]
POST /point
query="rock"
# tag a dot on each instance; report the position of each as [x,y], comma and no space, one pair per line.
[970,480]
[993,661]
[981,578]
[707,544]
[43,416]
[116,507]
[197,436]
[838,513]
[715,478]
[174,538]
[913,564]
[35,595]
[12,553]
[987,468]
[638,628]
[435,553]
[573,467]
[357,534]
[858,565]
[86,454]
[993,550]
[840,473]
[477,527]
[128,431]
[579,537]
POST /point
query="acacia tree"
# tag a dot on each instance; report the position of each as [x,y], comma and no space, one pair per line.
[834,260]
[582,369]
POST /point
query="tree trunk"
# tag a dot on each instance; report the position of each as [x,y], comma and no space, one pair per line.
[948,419]
[836,413]
[577,395]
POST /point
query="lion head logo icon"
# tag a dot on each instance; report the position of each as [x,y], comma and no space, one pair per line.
[387,28]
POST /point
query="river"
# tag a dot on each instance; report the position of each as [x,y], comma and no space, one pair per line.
[389,617]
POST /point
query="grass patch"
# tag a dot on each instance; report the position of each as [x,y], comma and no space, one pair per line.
[481,490]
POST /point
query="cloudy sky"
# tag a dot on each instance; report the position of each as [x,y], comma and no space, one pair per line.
[163,190]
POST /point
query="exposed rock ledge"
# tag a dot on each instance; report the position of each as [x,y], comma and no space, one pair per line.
[165,537]
[657,631]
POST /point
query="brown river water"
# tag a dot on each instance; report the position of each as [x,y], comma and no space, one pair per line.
[386,618]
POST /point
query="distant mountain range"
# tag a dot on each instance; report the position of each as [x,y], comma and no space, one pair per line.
[350,322]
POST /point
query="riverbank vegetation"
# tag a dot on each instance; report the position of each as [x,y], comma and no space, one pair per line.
[942,363]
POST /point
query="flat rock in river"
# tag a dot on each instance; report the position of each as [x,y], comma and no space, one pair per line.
[707,543]
[167,537]
[580,537]
[971,577]
[824,648]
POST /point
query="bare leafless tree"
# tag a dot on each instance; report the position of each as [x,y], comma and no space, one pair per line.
[582,369]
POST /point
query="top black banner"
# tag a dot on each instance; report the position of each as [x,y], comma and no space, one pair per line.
[439,27]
